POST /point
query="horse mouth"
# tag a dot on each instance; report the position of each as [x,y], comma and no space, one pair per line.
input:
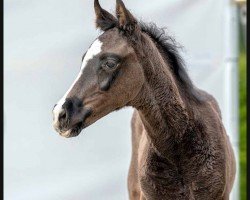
[69,129]
[73,131]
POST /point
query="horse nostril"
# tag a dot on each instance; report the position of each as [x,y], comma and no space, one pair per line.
[62,115]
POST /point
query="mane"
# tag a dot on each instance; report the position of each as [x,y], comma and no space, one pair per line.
[170,51]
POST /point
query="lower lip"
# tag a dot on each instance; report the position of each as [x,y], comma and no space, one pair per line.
[69,133]
[66,134]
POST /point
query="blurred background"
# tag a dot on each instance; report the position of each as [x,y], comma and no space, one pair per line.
[44,43]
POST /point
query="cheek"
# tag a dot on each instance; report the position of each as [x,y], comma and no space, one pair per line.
[128,82]
[107,80]
[135,81]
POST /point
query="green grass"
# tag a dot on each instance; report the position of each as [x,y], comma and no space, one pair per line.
[243,124]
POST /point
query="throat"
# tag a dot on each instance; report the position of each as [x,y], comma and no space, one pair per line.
[164,116]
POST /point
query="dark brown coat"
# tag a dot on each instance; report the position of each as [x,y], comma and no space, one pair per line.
[180,150]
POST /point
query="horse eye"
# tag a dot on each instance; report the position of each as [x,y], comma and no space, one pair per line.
[110,64]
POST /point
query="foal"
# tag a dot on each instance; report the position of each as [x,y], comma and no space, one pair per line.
[180,147]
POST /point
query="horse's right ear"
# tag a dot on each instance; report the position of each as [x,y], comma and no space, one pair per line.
[104,20]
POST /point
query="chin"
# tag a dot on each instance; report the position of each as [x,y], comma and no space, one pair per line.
[71,132]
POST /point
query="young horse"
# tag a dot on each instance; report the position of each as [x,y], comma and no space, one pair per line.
[180,147]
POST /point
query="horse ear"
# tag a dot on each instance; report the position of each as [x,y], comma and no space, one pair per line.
[126,20]
[104,20]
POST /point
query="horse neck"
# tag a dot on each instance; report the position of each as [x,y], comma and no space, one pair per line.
[160,104]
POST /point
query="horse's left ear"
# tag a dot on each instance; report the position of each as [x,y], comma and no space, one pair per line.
[126,20]
[104,20]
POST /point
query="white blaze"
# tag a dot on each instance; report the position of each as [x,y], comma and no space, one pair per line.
[94,49]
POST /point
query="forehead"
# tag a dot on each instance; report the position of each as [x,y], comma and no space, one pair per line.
[110,41]
[113,41]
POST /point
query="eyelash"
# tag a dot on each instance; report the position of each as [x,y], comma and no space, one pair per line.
[105,65]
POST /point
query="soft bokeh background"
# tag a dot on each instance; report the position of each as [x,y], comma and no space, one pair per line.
[44,43]
[243,117]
